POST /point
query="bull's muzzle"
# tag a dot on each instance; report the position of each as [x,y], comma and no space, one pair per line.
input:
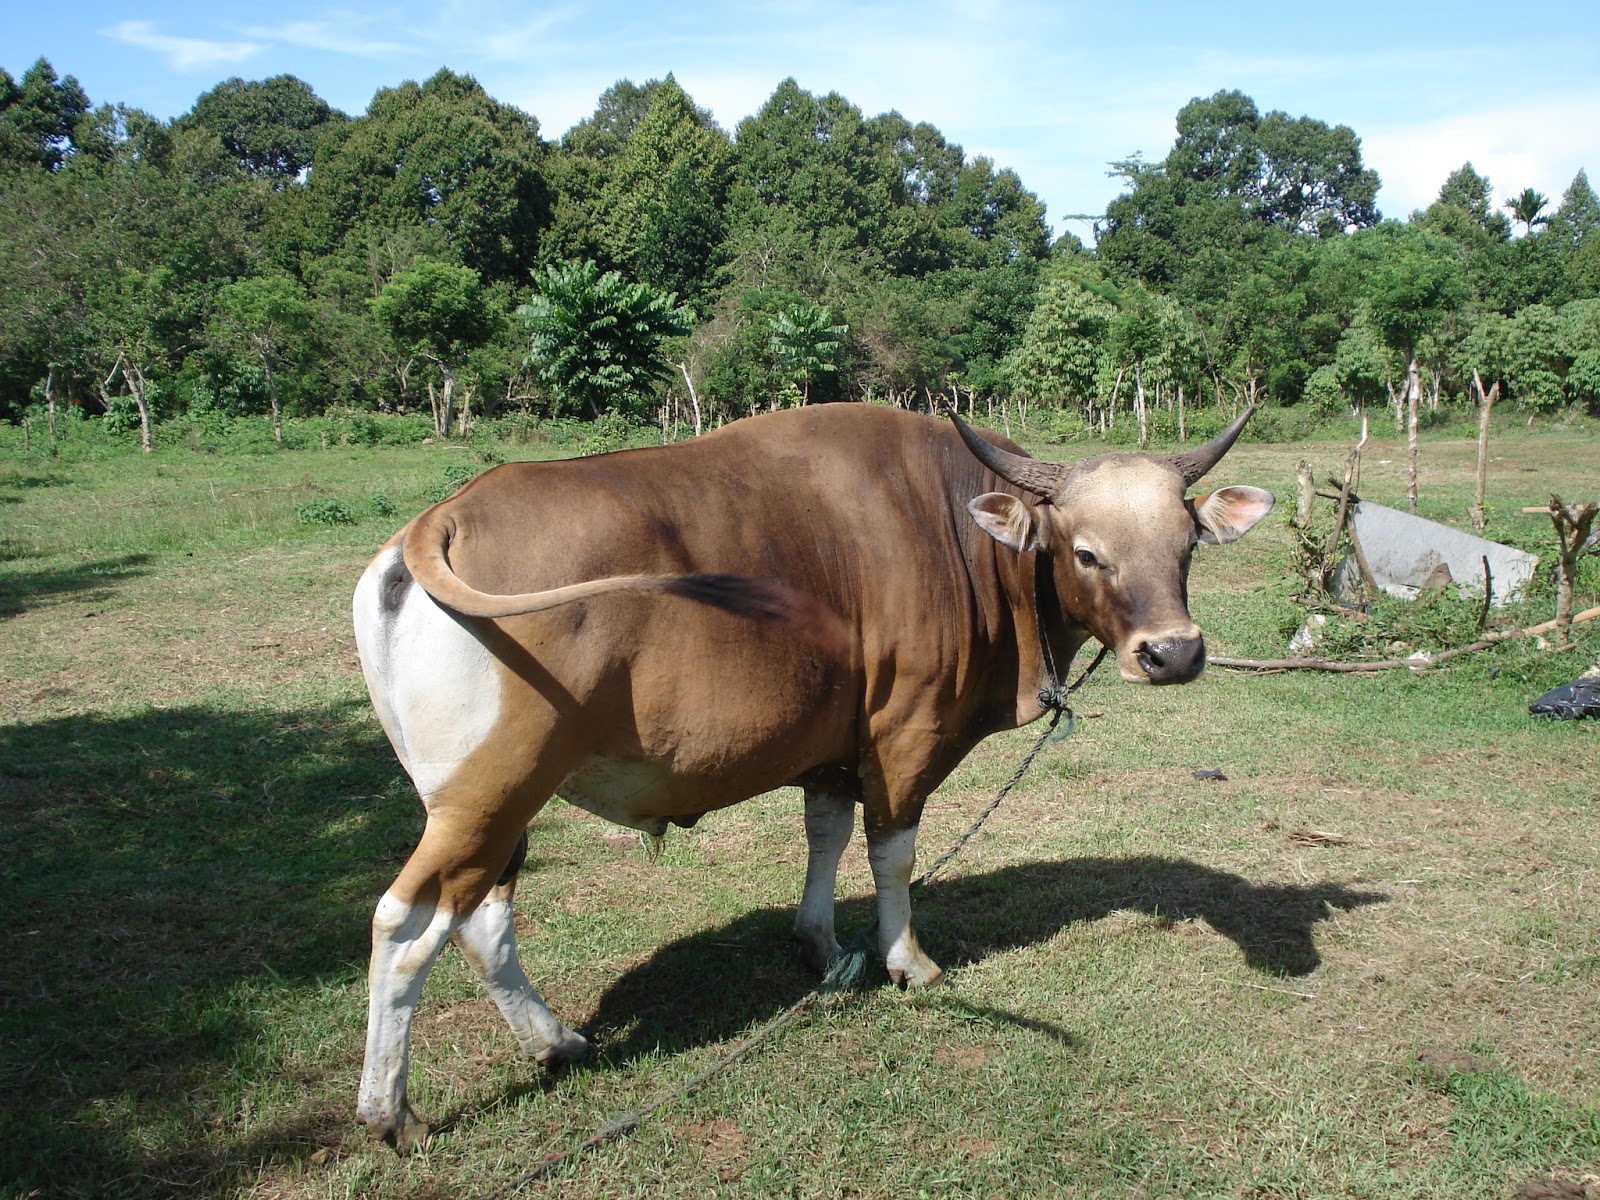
[1172,660]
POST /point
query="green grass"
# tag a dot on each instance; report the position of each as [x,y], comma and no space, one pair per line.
[1158,992]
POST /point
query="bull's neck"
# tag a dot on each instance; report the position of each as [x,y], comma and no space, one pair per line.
[1042,633]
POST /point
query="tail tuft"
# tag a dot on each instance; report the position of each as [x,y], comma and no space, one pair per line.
[762,599]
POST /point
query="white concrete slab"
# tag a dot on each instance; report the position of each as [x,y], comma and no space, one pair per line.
[1403,551]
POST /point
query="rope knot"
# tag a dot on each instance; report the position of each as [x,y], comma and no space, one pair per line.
[1056,698]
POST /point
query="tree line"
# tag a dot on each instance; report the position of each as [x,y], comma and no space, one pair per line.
[264,253]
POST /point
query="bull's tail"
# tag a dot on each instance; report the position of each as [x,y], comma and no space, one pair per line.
[426,542]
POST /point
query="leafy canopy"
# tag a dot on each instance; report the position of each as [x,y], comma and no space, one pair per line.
[597,340]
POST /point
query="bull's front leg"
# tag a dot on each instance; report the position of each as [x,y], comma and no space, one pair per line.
[830,820]
[893,855]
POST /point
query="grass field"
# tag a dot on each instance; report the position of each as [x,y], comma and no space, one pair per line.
[1163,987]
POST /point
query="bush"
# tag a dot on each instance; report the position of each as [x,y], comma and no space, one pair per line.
[326,512]
[610,432]
[455,476]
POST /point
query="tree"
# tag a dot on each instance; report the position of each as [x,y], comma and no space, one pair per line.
[444,156]
[806,342]
[38,116]
[1578,215]
[439,312]
[1466,203]
[272,318]
[130,316]
[269,128]
[47,257]
[597,340]
[813,193]
[1057,360]
[606,133]
[1414,283]
[1231,176]
[1528,207]
[1573,232]
[1535,359]
[660,208]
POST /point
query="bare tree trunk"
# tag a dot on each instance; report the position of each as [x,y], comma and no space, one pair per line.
[50,401]
[1138,404]
[1397,401]
[134,374]
[1572,530]
[1351,468]
[1183,434]
[272,397]
[443,402]
[694,396]
[1413,390]
[1480,518]
[1305,492]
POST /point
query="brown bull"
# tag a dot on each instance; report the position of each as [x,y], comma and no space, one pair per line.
[561,628]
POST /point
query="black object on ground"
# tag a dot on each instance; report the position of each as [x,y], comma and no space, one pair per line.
[1571,701]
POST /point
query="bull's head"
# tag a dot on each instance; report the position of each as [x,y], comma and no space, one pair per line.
[1118,533]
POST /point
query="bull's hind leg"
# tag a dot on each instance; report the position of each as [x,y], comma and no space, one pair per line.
[830,820]
[453,869]
[488,939]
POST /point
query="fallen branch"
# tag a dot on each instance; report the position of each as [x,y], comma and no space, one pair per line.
[1418,661]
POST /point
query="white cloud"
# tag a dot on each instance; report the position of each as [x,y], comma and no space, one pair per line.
[326,35]
[182,54]
[1539,143]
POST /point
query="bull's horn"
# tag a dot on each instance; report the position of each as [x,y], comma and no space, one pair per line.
[1195,463]
[1030,474]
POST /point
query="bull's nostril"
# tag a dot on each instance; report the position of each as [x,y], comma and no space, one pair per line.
[1175,661]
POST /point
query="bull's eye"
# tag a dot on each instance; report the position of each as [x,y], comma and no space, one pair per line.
[1086,559]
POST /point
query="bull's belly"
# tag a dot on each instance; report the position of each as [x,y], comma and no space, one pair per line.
[649,796]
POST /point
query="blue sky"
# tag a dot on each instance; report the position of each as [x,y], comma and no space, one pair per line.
[1054,90]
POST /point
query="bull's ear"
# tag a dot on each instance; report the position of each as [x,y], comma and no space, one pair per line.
[1007,520]
[1229,513]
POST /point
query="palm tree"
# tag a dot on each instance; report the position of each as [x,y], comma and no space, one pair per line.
[805,342]
[1527,208]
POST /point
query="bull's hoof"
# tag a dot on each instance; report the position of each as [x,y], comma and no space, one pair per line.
[917,975]
[816,954]
[405,1131]
[572,1048]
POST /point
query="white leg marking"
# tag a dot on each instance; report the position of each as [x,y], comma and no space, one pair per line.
[433,684]
[406,940]
[892,857]
[830,821]
[488,939]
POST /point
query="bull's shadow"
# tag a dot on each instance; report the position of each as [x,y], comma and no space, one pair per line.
[715,984]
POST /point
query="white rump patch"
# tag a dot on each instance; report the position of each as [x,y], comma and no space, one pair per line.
[433,684]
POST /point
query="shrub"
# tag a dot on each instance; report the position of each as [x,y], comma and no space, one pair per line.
[326,512]
[454,476]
